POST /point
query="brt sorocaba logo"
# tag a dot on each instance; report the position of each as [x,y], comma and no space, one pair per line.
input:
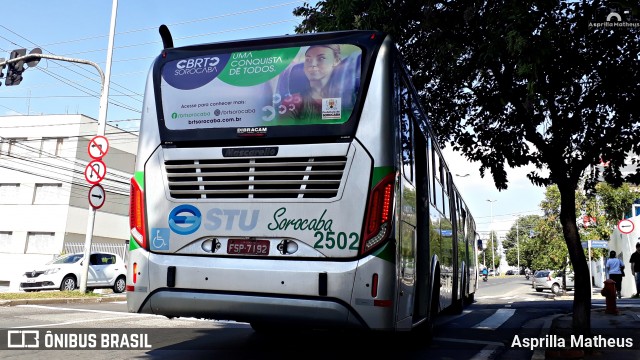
[185,219]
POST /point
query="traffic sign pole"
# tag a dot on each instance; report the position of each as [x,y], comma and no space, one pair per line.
[102,125]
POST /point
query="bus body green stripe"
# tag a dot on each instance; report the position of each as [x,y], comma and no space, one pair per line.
[139,176]
[133,244]
[379,173]
[385,253]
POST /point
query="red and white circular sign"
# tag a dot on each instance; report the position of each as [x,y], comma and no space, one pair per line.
[97,196]
[95,172]
[98,147]
[626,226]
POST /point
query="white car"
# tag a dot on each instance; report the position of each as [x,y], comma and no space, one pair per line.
[106,270]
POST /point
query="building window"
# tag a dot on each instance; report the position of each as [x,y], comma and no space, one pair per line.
[48,194]
[41,243]
[11,244]
[51,147]
[9,193]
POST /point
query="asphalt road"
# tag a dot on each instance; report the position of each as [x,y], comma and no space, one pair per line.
[504,307]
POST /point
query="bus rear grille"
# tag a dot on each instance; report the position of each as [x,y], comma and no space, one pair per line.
[273,178]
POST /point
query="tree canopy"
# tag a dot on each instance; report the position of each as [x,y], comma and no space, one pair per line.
[548,83]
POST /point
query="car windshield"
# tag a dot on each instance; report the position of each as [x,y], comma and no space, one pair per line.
[540,274]
[68,259]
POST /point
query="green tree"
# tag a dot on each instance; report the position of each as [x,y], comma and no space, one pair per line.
[521,236]
[514,83]
[616,201]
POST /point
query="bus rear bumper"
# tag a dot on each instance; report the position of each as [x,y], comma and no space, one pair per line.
[324,312]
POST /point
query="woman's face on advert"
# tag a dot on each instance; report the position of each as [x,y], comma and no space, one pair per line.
[319,62]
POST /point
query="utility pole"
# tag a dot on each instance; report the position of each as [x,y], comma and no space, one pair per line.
[493,255]
[102,124]
[518,241]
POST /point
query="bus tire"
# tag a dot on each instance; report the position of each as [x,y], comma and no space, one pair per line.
[469,299]
[425,330]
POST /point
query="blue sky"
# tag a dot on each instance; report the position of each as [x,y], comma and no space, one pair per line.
[80,29]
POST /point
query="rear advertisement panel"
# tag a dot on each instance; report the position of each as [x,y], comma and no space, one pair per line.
[286,86]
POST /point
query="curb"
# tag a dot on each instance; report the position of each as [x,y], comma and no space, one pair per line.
[540,354]
[103,299]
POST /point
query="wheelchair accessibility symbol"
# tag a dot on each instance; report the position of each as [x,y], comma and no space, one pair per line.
[160,238]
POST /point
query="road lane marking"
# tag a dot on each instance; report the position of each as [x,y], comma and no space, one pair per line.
[442,321]
[122,315]
[84,310]
[494,321]
[69,322]
[487,352]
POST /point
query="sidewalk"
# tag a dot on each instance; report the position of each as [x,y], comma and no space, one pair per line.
[106,296]
[46,301]
[614,336]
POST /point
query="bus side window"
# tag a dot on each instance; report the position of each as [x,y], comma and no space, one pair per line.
[429,164]
[406,135]
[435,166]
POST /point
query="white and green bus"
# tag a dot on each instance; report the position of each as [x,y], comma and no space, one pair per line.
[294,180]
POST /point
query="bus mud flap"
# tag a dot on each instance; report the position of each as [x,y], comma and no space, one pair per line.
[322,284]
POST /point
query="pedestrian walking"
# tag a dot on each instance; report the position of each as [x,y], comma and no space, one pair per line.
[635,268]
[614,270]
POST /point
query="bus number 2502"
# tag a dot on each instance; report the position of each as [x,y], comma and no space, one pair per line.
[330,240]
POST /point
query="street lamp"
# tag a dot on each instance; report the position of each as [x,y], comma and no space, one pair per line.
[493,259]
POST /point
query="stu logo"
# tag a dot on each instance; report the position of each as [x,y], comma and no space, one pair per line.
[186,219]
[216,218]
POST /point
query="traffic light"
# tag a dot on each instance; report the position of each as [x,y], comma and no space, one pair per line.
[1,69]
[15,70]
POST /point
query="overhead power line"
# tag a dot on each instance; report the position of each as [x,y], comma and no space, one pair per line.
[155,28]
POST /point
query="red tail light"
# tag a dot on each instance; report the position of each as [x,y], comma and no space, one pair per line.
[374,285]
[136,214]
[378,220]
[135,273]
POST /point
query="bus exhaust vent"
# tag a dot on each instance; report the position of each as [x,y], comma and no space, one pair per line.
[272,178]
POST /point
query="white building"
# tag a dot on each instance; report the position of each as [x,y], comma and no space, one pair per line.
[624,245]
[44,194]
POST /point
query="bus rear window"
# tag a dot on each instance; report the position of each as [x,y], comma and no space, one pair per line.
[308,85]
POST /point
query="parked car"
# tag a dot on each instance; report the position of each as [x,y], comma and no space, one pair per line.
[551,280]
[510,272]
[106,270]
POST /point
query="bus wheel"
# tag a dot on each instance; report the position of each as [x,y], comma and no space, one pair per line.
[469,299]
[425,330]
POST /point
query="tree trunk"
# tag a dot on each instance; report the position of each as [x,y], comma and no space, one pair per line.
[582,291]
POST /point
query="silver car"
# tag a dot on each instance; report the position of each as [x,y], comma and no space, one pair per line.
[552,280]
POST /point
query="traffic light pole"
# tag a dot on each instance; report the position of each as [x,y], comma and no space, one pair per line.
[101,129]
[102,117]
[54,57]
